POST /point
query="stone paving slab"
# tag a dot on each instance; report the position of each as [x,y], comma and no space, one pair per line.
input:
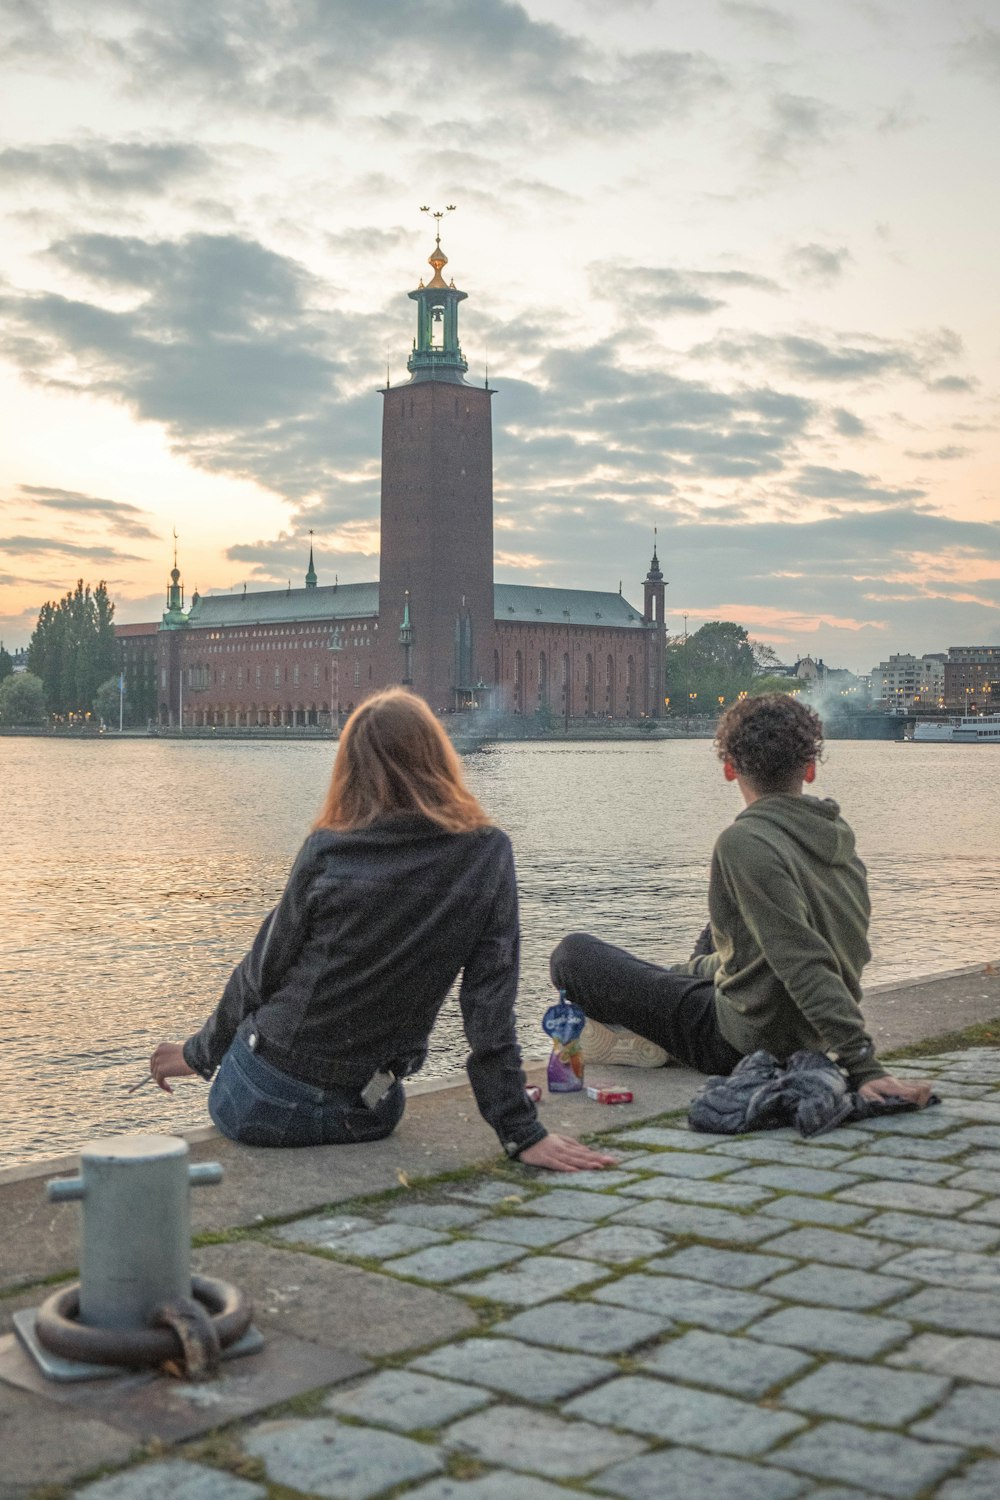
[457,1258]
[716,1307]
[616,1245]
[816,1211]
[866,1393]
[535,1232]
[730,1364]
[963,1312]
[541,1443]
[916,1230]
[178,1479]
[833,1247]
[735,1268]
[703,1223]
[912,1197]
[964,1269]
[681,1414]
[570,1203]
[680,1474]
[981,1482]
[946,1354]
[495,1486]
[586,1326]
[537,1280]
[849,1333]
[971,1415]
[324,1457]
[407,1400]
[517,1369]
[837,1286]
[885,1462]
[761,1148]
[681,1190]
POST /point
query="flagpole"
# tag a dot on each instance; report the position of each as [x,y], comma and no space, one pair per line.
[121,701]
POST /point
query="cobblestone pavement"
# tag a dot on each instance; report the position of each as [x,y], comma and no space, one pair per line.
[756,1317]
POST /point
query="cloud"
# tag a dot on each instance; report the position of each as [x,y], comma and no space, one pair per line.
[34,546]
[979,52]
[820,483]
[124,517]
[225,343]
[319,61]
[665,291]
[770,22]
[103,167]
[950,451]
[797,125]
[817,264]
[859,358]
[847,424]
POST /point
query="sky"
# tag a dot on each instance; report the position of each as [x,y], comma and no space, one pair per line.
[731,267]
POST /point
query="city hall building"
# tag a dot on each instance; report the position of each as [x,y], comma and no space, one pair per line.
[435,620]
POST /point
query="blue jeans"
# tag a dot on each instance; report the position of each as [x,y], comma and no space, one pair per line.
[253,1102]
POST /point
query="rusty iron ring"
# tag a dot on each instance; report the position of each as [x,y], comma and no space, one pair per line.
[59,1328]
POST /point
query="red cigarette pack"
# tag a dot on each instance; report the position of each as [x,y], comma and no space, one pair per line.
[608,1093]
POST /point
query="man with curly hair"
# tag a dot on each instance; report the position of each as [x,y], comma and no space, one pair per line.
[789,908]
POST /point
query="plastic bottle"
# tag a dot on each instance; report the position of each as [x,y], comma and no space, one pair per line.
[564,1022]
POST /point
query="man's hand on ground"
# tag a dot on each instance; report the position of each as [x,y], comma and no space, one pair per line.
[168,1062]
[560,1154]
[914,1090]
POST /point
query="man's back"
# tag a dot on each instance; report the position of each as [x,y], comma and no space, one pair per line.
[788,899]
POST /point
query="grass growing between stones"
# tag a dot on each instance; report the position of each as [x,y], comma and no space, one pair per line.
[981,1034]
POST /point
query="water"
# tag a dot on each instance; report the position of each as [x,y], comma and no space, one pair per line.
[137,872]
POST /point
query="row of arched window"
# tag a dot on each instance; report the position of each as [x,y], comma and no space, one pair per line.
[595,694]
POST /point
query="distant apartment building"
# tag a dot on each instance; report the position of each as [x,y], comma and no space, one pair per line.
[906,683]
[972,679]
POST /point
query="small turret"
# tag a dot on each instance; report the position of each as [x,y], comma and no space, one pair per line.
[174,615]
[311,572]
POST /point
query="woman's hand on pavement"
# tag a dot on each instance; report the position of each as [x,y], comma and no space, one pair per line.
[168,1062]
[561,1154]
[914,1090]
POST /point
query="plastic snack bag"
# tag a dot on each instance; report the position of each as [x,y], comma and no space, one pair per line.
[563,1023]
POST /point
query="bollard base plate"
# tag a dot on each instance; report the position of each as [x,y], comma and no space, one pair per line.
[54,1367]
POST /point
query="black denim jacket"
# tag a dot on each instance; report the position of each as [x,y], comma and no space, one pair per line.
[348,973]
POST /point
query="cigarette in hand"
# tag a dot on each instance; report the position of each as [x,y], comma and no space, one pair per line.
[140,1085]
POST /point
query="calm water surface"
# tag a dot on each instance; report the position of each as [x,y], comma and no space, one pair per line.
[137,872]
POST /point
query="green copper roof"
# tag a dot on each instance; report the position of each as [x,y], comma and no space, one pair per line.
[336,601]
[514,603]
[525,603]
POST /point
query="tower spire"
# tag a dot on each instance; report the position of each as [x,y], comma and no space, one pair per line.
[311,573]
[437,354]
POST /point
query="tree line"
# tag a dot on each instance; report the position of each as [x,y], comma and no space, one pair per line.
[71,660]
[713,666]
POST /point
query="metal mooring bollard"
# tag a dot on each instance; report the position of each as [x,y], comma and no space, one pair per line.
[136,1304]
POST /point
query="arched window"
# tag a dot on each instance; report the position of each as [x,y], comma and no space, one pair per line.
[518,683]
[630,687]
[588,685]
[543,680]
[567,696]
[609,694]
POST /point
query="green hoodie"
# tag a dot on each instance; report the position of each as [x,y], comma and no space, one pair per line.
[789,906]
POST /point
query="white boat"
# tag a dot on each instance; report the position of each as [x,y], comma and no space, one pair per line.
[970,729]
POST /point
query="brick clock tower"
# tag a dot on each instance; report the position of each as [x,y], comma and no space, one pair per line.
[436,564]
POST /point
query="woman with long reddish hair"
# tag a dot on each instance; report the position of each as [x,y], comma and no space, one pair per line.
[402,885]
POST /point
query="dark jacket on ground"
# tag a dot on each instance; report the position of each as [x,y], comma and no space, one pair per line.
[348,973]
[810,1092]
[788,899]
